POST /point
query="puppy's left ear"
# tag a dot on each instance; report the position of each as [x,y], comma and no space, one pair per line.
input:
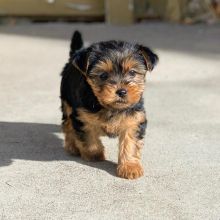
[80,60]
[151,59]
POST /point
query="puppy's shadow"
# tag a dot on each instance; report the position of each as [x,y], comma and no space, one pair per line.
[38,142]
[107,165]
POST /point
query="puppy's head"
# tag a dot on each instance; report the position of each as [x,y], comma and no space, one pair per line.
[116,71]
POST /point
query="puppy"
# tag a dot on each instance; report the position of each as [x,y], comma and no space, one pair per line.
[102,94]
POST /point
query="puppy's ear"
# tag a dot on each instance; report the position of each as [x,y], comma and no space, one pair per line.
[151,59]
[80,60]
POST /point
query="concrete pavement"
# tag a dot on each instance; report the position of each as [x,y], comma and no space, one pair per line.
[181,157]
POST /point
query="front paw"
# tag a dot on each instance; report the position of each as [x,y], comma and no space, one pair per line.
[130,170]
[93,157]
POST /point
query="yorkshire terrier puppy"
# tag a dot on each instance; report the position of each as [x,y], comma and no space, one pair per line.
[102,94]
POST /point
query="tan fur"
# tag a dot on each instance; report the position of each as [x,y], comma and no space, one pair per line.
[106,96]
[129,63]
[106,66]
[134,92]
[129,170]
[70,137]
[99,124]
[90,150]
[129,165]
[126,127]
[68,110]
[109,120]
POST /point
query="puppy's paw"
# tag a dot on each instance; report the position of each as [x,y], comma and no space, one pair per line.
[93,157]
[130,170]
[72,149]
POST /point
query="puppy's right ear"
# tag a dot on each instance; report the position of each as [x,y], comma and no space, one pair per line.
[80,60]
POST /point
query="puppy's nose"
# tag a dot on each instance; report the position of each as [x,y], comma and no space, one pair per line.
[121,92]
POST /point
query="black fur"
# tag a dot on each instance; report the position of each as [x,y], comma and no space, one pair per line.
[74,88]
[101,51]
[152,56]
[76,43]
[141,130]
[80,97]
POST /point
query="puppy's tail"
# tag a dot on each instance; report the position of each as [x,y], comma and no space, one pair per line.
[76,42]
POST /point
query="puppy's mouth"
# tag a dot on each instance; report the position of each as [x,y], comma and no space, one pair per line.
[120,104]
[121,101]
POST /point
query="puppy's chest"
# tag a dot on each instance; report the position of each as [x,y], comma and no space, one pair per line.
[104,122]
[111,123]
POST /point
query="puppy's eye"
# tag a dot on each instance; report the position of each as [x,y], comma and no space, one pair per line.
[132,73]
[103,76]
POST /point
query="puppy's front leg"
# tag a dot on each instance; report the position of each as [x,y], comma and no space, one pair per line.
[129,165]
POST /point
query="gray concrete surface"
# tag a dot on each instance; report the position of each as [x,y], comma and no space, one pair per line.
[181,157]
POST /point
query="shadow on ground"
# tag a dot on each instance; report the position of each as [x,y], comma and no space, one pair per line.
[38,142]
[198,39]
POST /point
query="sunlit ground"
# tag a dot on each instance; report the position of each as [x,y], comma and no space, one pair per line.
[181,156]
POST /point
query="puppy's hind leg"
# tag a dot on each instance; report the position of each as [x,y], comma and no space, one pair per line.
[69,133]
[70,139]
[91,148]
